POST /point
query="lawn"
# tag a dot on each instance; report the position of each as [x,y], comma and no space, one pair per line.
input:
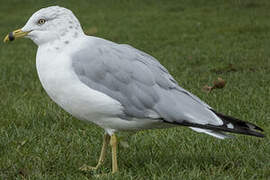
[196,40]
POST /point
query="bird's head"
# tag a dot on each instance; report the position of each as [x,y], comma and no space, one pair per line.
[47,25]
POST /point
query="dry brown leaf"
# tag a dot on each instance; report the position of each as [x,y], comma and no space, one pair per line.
[207,88]
[219,84]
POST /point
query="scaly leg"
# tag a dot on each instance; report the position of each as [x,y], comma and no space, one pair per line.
[106,140]
[113,143]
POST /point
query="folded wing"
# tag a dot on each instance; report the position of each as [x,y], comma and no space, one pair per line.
[145,88]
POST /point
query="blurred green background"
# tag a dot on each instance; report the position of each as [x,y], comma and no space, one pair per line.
[196,40]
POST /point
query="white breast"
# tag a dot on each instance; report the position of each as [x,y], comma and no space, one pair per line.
[63,86]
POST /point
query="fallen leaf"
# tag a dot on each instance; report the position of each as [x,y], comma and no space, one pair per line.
[219,84]
[207,88]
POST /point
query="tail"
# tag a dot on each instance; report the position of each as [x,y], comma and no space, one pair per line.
[230,124]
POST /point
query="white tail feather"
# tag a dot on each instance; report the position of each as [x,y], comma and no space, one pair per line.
[216,134]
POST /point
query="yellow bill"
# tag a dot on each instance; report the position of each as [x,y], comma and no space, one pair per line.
[14,35]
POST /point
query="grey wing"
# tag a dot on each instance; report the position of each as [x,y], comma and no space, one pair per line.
[165,74]
[139,82]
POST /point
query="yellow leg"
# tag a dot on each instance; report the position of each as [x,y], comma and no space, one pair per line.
[113,143]
[106,140]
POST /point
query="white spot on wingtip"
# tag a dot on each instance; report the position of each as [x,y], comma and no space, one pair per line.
[250,126]
[230,126]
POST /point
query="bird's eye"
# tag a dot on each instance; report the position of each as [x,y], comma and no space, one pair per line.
[41,21]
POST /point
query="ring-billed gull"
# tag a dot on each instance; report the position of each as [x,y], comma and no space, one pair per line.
[115,86]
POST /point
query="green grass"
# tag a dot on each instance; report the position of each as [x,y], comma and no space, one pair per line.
[196,40]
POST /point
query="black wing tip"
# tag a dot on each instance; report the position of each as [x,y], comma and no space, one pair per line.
[246,127]
[244,131]
[254,133]
[261,135]
[258,128]
[240,126]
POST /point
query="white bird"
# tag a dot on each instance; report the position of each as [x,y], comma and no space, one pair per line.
[115,86]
